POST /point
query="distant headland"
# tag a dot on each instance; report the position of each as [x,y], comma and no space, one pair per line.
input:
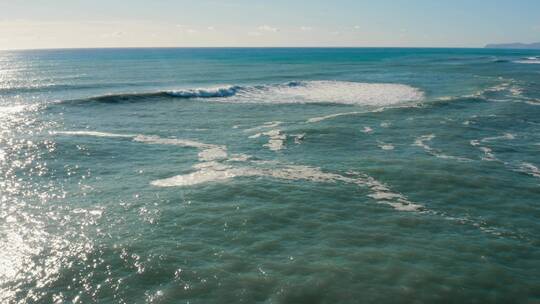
[532,46]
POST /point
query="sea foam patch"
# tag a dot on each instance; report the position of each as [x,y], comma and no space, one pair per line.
[422,142]
[215,165]
[488,154]
[341,92]
[531,60]
[530,169]
[93,134]
[217,172]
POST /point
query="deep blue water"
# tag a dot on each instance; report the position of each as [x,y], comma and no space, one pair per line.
[270,176]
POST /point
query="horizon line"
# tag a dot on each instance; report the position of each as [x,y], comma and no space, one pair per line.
[247,47]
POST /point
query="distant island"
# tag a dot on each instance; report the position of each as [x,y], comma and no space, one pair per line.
[532,46]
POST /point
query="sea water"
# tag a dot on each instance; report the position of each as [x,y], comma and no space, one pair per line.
[269,176]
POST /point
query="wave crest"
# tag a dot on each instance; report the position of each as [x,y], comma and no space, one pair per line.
[339,92]
[206,93]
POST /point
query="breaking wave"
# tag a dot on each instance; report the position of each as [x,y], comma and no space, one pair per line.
[339,92]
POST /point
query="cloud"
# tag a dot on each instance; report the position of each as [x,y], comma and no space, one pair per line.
[306,28]
[184,29]
[254,34]
[211,28]
[267,28]
[356,27]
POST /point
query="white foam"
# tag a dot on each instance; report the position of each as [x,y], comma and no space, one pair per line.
[156,140]
[475,142]
[208,152]
[321,118]
[92,133]
[529,169]
[530,61]
[331,116]
[509,85]
[386,146]
[367,130]
[276,140]
[213,153]
[299,138]
[265,126]
[239,157]
[226,91]
[204,175]
[421,142]
[488,154]
[343,92]
[212,168]
[446,98]
[217,172]
[385,195]
[506,136]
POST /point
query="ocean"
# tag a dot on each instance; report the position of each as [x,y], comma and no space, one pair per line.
[270,175]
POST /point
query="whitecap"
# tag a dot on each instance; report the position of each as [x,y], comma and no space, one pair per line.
[386,146]
[530,169]
[226,91]
[488,154]
[367,130]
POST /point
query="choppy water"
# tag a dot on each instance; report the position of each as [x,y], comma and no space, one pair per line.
[269,176]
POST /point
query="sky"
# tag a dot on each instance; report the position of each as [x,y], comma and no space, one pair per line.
[30,24]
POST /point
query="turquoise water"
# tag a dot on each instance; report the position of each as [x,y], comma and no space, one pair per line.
[269,176]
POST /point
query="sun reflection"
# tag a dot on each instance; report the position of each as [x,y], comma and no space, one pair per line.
[36,240]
